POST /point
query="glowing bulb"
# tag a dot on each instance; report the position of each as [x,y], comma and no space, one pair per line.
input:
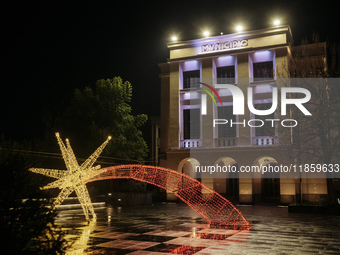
[174,38]
[206,33]
[276,22]
[109,137]
[239,28]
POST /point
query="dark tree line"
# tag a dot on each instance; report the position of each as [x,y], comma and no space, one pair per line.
[316,139]
[26,224]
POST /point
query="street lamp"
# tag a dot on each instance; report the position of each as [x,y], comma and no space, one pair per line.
[239,28]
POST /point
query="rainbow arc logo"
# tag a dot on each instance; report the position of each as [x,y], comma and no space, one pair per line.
[204,97]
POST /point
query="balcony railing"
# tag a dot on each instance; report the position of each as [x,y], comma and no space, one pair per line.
[229,142]
[225,142]
[263,140]
[191,143]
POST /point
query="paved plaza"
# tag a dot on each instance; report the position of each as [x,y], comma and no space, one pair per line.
[177,229]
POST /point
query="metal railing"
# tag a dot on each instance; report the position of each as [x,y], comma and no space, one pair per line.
[191,143]
[225,142]
[263,140]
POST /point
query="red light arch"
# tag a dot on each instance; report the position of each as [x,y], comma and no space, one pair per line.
[214,208]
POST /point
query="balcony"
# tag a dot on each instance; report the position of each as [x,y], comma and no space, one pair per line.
[225,142]
[191,143]
[263,140]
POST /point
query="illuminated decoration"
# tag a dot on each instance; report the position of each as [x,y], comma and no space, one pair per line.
[75,177]
[174,38]
[214,208]
[276,22]
[206,33]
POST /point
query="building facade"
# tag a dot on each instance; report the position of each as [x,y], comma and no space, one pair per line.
[155,144]
[253,59]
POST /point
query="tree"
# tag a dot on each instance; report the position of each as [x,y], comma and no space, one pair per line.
[95,114]
[27,225]
[316,139]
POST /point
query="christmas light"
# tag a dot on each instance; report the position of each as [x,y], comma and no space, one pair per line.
[75,177]
[214,208]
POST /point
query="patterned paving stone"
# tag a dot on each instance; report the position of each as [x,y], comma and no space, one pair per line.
[130,244]
[172,233]
[166,229]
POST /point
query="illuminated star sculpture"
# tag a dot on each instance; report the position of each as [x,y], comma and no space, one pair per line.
[74,178]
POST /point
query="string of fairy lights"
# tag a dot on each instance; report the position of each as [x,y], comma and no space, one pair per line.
[53,155]
[75,177]
[209,204]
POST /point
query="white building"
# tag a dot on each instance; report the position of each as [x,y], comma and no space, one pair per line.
[246,59]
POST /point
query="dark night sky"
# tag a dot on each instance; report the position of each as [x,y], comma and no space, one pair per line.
[51,47]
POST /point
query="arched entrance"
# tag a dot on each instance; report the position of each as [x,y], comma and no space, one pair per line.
[270,187]
[231,181]
[214,208]
[269,182]
[187,166]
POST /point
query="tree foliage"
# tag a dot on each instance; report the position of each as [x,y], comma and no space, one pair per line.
[27,225]
[317,136]
[96,114]
[316,139]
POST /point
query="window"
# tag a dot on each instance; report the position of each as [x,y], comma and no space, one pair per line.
[226,112]
[191,79]
[263,70]
[225,75]
[266,129]
[191,123]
